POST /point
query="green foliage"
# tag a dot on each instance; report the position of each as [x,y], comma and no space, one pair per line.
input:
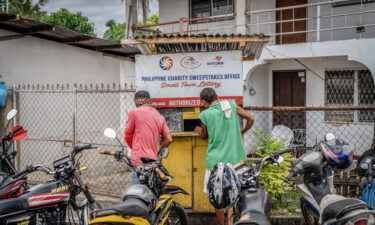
[27,8]
[290,205]
[272,177]
[152,19]
[115,31]
[73,21]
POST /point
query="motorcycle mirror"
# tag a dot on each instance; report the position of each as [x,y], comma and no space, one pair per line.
[110,133]
[329,137]
[164,152]
[11,114]
[279,161]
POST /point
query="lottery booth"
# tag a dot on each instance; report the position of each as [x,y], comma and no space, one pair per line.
[175,80]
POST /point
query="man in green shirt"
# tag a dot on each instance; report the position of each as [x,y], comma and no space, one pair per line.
[221,125]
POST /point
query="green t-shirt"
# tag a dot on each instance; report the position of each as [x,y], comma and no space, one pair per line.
[225,140]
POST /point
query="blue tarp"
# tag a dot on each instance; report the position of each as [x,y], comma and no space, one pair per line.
[368,194]
[3,94]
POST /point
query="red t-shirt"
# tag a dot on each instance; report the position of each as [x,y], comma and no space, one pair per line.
[146,125]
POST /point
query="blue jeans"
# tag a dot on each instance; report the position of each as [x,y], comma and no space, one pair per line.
[134,178]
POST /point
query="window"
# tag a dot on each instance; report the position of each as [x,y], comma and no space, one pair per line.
[349,88]
[204,8]
[351,2]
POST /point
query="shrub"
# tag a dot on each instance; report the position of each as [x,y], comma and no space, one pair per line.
[272,177]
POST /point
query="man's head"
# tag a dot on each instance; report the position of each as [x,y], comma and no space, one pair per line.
[208,95]
[142,98]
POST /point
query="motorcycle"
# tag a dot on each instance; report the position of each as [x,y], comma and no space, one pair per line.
[366,169]
[319,202]
[254,205]
[53,201]
[10,187]
[150,202]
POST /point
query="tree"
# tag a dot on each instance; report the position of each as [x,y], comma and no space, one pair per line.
[115,31]
[73,21]
[27,8]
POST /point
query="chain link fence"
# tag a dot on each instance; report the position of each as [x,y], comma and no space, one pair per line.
[57,118]
[303,127]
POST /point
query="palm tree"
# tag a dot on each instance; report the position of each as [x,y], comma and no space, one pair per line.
[27,8]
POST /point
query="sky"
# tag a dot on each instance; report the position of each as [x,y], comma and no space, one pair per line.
[98,11]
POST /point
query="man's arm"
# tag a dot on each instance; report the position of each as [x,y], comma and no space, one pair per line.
[249,119]
[166,136]
[129,130]
[202,131]
[167,140]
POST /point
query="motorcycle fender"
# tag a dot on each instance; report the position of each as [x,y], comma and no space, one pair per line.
[171,189]
[255,201]
[119,220]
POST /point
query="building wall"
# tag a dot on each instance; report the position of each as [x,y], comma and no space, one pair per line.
[33,60]
[174,10]
[359,134]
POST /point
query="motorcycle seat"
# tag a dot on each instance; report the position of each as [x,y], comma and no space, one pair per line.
[13,205]
[254,218]
[339,208]
[130,207]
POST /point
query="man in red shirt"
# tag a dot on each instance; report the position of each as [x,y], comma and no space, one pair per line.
[143,130]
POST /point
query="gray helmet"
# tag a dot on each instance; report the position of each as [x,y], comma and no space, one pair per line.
[223,186]
[140,192]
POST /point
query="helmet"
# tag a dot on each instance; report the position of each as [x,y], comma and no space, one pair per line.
[223,186]
[337,152]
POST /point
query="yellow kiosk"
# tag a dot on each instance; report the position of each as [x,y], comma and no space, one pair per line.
[187,158]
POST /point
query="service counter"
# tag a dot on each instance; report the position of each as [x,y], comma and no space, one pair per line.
[187,157]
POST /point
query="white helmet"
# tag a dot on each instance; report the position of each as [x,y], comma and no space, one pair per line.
[223,186]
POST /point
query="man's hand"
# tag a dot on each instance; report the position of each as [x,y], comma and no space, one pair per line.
[198,130]
[249,119]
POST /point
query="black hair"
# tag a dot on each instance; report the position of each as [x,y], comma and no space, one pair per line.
[208,94]
[141,94]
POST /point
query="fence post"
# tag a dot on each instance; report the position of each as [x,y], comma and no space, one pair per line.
[17,144]
[182,26]
[75,115]
[318,23]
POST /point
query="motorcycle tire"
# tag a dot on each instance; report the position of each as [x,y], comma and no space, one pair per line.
[177,215]
[310,219]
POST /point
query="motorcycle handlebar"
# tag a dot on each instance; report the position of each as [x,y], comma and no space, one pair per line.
[78,149]
[277,154]
[31,168]
[161,174]
[102,152]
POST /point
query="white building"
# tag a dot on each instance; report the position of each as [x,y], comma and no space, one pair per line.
[33,52]
[320,54]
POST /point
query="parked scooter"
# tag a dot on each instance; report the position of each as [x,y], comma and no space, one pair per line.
[254,204]
[366,170]
[10,187]
[150,202]
[319,203]
[49,203]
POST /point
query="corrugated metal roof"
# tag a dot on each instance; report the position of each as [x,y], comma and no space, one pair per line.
[25,26]
[250,45]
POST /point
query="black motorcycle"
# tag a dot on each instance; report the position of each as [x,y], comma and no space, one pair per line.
[53,201]
[254,204]
[10,187]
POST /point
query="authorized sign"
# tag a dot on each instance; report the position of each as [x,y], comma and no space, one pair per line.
[175,80]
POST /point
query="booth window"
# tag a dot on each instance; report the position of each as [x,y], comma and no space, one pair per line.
[349,88]
[204,8]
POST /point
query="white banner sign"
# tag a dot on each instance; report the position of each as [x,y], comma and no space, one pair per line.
[175,80]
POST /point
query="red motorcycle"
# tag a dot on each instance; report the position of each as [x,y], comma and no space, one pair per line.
[10,187]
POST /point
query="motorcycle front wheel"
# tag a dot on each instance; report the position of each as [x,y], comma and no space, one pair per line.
[177,215]
[310,219]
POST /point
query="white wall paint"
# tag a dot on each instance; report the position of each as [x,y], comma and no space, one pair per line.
[359,135]
[33,60]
